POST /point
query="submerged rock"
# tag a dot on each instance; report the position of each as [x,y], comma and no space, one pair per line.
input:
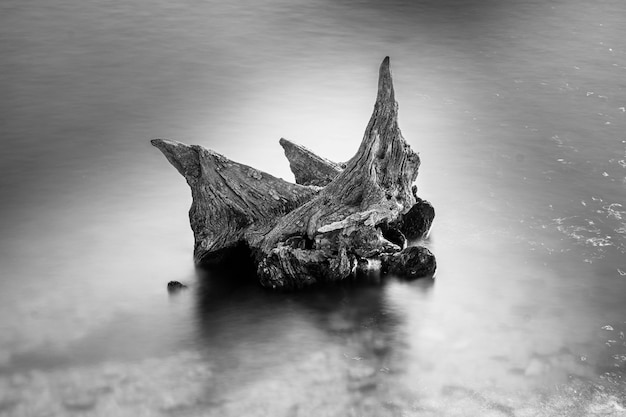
[174,286]
[413,262]
[416,223]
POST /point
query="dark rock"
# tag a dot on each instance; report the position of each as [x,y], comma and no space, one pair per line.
[173,286]
[393,235]
[411,263]
[416,223]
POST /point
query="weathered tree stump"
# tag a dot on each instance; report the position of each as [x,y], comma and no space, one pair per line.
[310,169]
[302,234]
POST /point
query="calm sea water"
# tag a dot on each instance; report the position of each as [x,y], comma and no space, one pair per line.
[517,110]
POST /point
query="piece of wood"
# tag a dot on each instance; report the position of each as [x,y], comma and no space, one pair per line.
[311,169]
[300,235]
[232,203]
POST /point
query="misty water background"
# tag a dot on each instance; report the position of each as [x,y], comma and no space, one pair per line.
[516,108]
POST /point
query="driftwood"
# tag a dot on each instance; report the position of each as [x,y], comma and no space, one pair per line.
[302,234]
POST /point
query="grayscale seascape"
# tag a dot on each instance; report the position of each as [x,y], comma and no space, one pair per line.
[518,112]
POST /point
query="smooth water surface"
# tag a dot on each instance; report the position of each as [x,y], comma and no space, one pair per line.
[518,110]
